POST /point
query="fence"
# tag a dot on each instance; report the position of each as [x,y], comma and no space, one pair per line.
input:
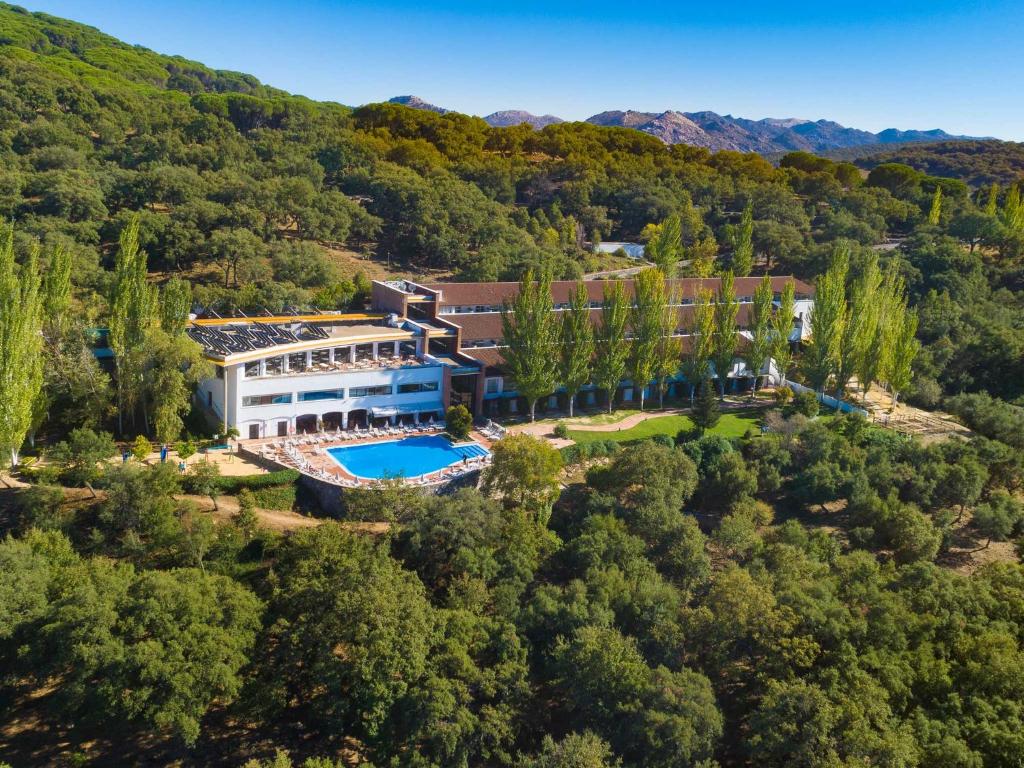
[840,405]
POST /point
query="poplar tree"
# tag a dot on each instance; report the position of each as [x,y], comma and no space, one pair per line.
[701,332]
[702,257]
[530,330]
[130,318]
[646,314]
[665,247]
[782,327]
[891,303]
[724,344]
[761,328]
[175,304]
[860,325]
[577,351]
[827,321]
[55,292]
[743,255]
[935,214]
[612,346]
[1013,210]
[21,341]
[903,348]
[992,204]
[670,347]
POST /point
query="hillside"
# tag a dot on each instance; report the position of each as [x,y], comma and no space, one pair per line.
[979,163]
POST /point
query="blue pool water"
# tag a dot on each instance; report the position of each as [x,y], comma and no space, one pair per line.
[408,457]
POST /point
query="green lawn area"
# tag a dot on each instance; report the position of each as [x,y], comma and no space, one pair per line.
[730,425]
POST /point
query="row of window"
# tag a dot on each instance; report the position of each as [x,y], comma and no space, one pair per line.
[297,361]
[483,308]
[284,398]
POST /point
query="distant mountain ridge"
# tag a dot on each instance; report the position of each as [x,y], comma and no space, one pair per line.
[714,131]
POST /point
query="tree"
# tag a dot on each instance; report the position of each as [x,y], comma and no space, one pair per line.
[611,344]
[175,305]
[743,251]
[130,319]
[173,366]
[997,518]
[158,646]
[860,325]
[577,750]
[935,212]
[701,332]
[827,321]
[342,591]
[458,421]
[577,351]
[21,363]
[647,315]
[664,248]
[782,329]
[761,330]
[890,305]
[141,448]
[903,348]
[669,349]
[702,256]
[204,479]
[83,455]
[524,474]
[705,413]
[531,334]
[723,348]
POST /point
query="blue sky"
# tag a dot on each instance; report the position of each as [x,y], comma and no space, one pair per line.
[870,65]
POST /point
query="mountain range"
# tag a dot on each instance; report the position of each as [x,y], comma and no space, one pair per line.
[714,131]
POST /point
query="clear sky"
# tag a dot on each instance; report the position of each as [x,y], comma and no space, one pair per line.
[872,65]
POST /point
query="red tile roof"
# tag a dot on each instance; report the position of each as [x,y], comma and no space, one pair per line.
[466,294]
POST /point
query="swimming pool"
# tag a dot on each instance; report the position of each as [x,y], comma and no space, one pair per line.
[408,457]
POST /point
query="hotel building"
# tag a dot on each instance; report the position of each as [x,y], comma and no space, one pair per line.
[420,348]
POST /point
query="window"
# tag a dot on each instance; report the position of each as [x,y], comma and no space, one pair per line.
[342,354]
[407,348]
[422,386]
[493,386]
[275,366]
[364,352]
[297,362]
[220,371]
[321,357]
[252,369]
[384,389]
[321,394]
[386,350]
[250,401]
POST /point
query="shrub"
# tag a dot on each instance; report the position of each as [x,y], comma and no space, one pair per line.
[277,497]
[186,449]
[572,454]
[783,395]
[561,431]
[141,448]
[806,403]
[665,440]
[460,421]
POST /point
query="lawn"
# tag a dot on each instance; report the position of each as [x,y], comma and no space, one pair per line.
[730,425]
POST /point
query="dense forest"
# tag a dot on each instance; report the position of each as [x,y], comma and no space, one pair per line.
[979,163]
[814,595]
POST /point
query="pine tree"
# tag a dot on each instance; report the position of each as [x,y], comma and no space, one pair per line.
[935,214]
[130,318]
[724,344]
[21,343]
[782,327]
[743,255]
[611,343]
[647,313]
[577,351]
[531,334]
[701,333]
[760,348]
[827,321]
[705,413]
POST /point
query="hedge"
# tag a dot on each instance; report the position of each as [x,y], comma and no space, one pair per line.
[233,484]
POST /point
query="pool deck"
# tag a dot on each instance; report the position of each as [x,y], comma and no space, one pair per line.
[308,454]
